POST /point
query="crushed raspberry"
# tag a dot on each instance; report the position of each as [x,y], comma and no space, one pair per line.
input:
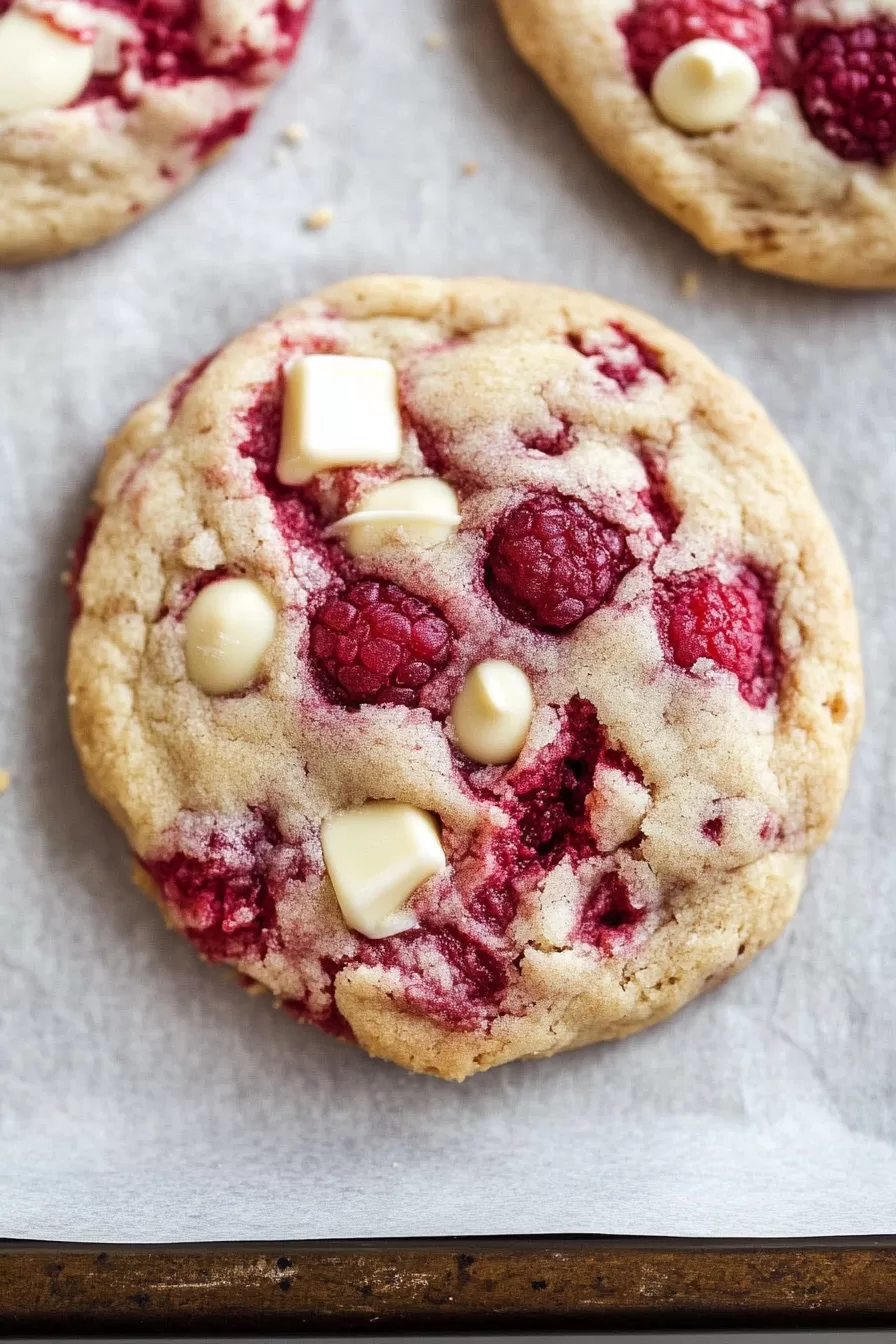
[846,84]
[727,623]
[326,1015]
[713,828]
[552,794]
[296,514]
[551,562]
[78,561]
[224,897]
[376,644]
[657,28]
[169,53]
[553,443]
[183,385]
[656,497]
[468,996]
[607,914]
[619,355]
[227,128]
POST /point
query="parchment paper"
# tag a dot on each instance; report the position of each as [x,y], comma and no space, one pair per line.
[142,1095]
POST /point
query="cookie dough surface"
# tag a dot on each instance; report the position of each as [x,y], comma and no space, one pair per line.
[173,83]
[803,184]
[635,537]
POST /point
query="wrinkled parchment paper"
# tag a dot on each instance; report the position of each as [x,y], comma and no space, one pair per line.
[142,1095]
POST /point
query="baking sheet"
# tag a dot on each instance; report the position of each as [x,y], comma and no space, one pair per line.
[142,1095]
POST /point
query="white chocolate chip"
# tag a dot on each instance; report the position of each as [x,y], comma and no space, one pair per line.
[419,511]
[705,85]
[295,133]
[40,66]
[227,632]
[377,855]
[339,411]
[492,712]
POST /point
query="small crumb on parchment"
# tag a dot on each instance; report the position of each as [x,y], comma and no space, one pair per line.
[689,284]
[470,168]
[295,133]
[4,780]
[321,218]
[279,156]
[434,41]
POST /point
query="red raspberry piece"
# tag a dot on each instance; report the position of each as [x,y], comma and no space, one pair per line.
[655,29]
[846,84]
[376,644]
[224,896]
[552,562]
[725,622]
[608,914]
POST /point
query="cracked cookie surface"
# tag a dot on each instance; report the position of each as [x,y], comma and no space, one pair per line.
[171,84]
[799,180]
[634,536]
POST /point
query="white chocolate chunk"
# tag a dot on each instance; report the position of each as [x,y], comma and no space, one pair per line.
[41,67]
[705,85]
[227,632]
[377,855]
[492,712]
[339,411]
[420,511]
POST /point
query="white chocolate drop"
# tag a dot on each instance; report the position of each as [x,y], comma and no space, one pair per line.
[41,67]
[377,855]
[419,511]
[227,632]
[705,85]
[339,411]
[492,712]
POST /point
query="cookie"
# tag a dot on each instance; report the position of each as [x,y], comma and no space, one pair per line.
[768,130]
[468,663]
[108,107]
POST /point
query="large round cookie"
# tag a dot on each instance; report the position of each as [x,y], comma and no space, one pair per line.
[798,175]
[288,714]
[107,107]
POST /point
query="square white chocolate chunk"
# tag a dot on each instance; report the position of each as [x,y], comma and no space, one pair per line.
[377,855]
[339,411]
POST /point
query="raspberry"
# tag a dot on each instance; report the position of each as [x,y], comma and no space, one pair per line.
[656,29]
[552,562]
[376,644]
[620,356]
[552,795]
[846,84]
[224,895]
[607,914]
[725,622]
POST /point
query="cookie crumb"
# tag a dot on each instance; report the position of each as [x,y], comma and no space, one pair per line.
[321,218]
[295,133]
[434,41]
[689,284]
[470,168]
[4,780]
